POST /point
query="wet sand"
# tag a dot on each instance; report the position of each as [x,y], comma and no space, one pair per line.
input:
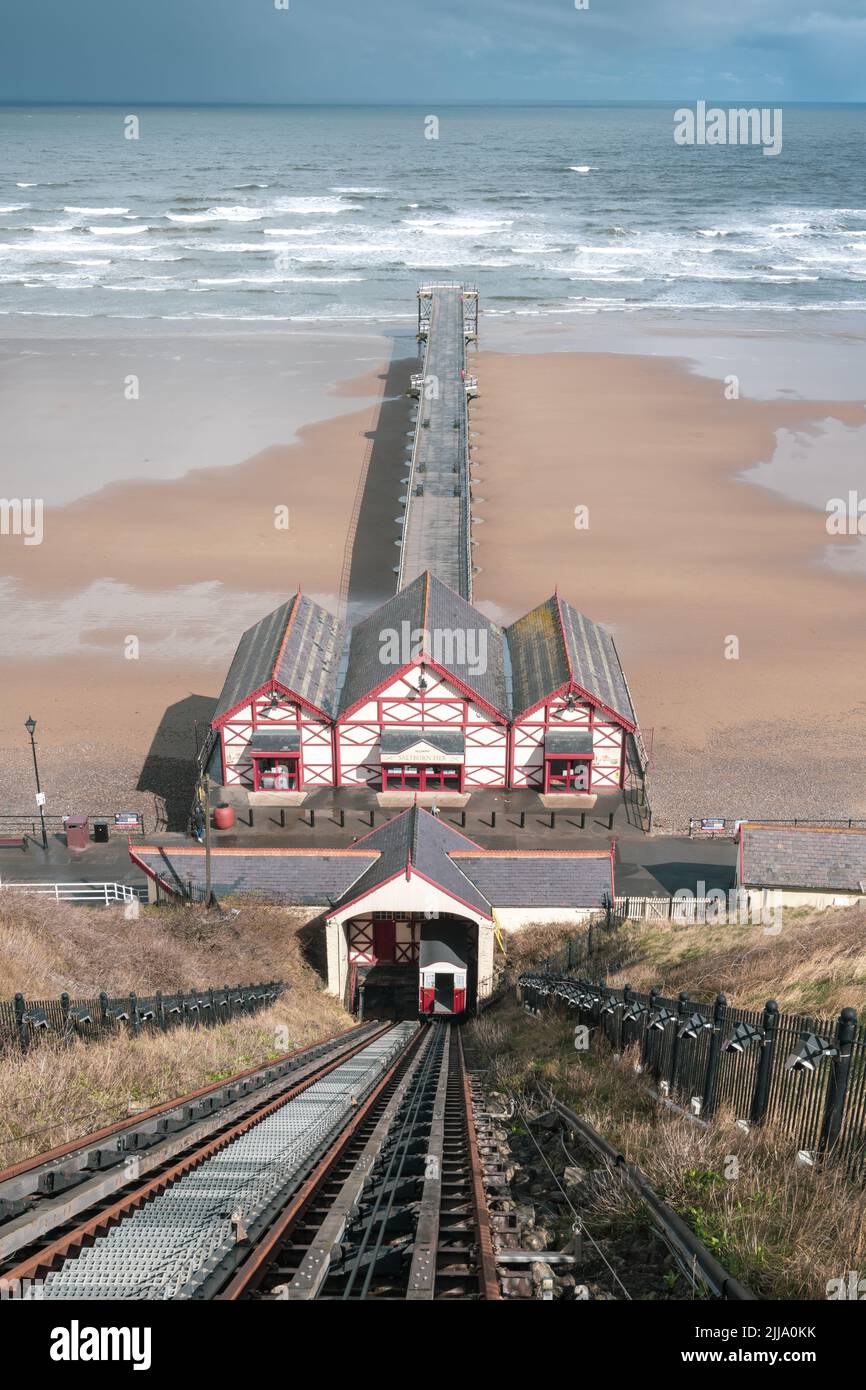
[681,554]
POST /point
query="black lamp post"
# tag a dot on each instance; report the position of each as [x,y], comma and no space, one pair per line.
[30,726]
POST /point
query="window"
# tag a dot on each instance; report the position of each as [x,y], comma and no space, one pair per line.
[276,774]
[420,778]
[567,774]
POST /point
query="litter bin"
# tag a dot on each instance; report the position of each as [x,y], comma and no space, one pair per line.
[77,832]
[100,832]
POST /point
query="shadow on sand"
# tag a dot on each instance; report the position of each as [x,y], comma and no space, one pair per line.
[372,576]
[169,770]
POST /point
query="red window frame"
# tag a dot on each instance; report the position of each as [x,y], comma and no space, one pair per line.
[424,777]
[576,767]
[293,763]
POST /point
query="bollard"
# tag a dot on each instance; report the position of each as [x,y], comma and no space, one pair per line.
[522,820]
[342,817]
[463,819]
[372,818]
[312,819]
[492,820]
[553,820]
[583,820]
[283,817]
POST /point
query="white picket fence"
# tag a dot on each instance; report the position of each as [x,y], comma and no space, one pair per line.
[668,909]
[103,893]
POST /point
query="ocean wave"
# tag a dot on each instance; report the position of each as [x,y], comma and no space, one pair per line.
[119,231]
[13,207]
[99,212]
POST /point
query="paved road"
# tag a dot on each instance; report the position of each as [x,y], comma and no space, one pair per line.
[645,864]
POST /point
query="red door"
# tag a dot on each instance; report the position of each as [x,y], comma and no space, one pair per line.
[384,934]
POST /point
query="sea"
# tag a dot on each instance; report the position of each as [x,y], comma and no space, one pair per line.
[305,214]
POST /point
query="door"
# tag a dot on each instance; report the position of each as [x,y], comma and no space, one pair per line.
[445,992]
[384,936]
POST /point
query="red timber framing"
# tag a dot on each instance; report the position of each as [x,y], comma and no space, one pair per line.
[384,936]
[445,704]
[528,765]
[572,774]
[422,777]
[274,708]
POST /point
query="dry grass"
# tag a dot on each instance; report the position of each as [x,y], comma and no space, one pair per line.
[782,1229]
[816,964]
[534,942]
[59,1093]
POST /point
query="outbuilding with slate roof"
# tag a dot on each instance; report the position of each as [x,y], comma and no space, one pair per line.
[801,865]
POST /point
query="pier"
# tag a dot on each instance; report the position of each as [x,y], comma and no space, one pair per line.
[436,532]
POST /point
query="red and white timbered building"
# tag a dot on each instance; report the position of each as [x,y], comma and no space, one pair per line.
[274,718]
[424,704]
[571,707]
[425,697]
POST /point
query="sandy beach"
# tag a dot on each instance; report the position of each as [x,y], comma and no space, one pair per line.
[681,553]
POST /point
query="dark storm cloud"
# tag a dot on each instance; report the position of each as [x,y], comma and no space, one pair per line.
[417,50]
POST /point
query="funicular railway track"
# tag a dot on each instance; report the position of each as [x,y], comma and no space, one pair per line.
[348,1171]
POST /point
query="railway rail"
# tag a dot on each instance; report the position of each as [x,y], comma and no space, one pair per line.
[349,1170]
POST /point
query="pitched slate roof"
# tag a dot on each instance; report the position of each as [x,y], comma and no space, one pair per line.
[787,856]
[455,636]
[298,645]
[550,878]
[307,878]
[425,842]
[554,645]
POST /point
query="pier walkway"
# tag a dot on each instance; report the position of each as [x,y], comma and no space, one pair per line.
[436,531]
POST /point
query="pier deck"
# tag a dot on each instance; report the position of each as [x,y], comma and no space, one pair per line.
[436,525]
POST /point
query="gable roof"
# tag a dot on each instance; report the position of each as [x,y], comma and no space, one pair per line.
[448,632]
[788,856]
[546,878]
[304,877]
[414,841]
[298,646]
[417,840]
[554,645]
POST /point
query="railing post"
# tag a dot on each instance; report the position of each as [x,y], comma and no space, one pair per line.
[648,1033]
[834,1106]
[682,1013]
[160,1010]
[20,1025]
[760,1096]
[625,1028]
[134,1019]
[64,1012]
[708,1105]
[103,1011]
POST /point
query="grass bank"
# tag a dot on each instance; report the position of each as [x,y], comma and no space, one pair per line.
[57,1093]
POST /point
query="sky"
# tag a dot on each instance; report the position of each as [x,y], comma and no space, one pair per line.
[421,51]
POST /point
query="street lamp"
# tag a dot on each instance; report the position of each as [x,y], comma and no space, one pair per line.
[30,726]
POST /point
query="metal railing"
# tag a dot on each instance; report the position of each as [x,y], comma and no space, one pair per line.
[800,1075]
[24,1022]
[81,892]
